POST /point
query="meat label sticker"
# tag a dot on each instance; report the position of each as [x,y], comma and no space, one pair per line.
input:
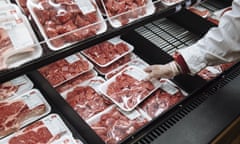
[131,115]
[167,87]
[86,6]
[213,70]
[72,59]
[32,99]
[55,126]
[138,75]
[115,41]
[19,80]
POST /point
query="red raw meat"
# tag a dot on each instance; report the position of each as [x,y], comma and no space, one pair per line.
[67,17]
[106,52]
[14,113]
[114,126]
[160,101]
[114,65]
[36,133]
[86,101]
[61,70]
[75,81]
[128,91]
[116,7]
[7,89]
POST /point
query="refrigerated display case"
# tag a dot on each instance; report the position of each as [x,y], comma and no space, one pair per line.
[210,106]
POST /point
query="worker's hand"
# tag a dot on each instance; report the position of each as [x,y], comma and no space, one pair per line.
[162,71]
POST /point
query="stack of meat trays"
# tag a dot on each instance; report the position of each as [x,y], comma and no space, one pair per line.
[63,23]
[15,87]
[113,125]
[109,55]
[16,49]
[211,72]
[86,99]
[21,110]
[165,97]
[48,130]
[66,69]
[120,13]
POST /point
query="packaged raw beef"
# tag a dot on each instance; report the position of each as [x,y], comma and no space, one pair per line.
[199,10]
[165,97]
[48,130]
[138,62]
[15,49]
[15,87]
[65,69]
[210,72]
[170,2]
[23,5]
[127,58]
[107,52]
[129,88]
[86,99]
[21,111]
[63,23]
[113,126]
[125,11]
[77,80]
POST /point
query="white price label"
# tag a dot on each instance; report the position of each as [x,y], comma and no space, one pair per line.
[213,70]
[72,59]
[188,3]
[19,81]
[54,125]
[178,8]
[86,6]
[115,41]
[167,87]
[138,75]
[131,115]
[32,99]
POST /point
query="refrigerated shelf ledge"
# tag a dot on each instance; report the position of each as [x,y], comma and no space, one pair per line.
[51,56]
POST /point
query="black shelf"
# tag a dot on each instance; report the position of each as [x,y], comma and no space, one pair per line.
[51,56]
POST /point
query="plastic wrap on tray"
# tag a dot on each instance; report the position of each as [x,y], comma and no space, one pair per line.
[127,58]
[113,126]
[77,80]
[86,99]
[15,87]
[138,62]
[211,72]
[23,5]
[170,2]
[107,52]
[21,111]
[162,99]
[199,10]
[66,22]
[65,69]
[128,88]
[125,11]
[16,49]
[48,130]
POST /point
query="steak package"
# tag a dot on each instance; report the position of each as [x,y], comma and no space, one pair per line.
[21,111]
[113,126]
[125,59]
[129,88]
[199,10]
[48,130]
[86,99]
[15,49]
[125,11]
[162,99]
[63,23]
[77,80]
[138,62]
[66,69]
[15,87]
[107,52]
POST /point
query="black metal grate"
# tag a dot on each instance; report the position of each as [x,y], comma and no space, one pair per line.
[192,104]
[167,35]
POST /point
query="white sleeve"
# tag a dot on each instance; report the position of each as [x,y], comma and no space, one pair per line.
[219,45]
